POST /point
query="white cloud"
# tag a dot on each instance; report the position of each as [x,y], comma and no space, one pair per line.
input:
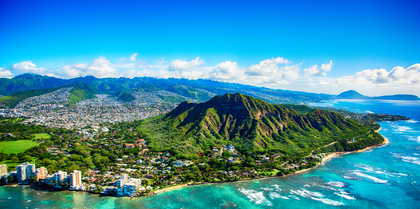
[314,70]
[25,66]
[181,65]
[29,67]
[398,80]
[5,73]
[273,72]
[100,68]
[311,70]
[326,68]
[267,67]
[133,56]
[277,73]
[227,71]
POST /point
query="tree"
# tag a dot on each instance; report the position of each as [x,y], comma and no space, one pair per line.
[15,159]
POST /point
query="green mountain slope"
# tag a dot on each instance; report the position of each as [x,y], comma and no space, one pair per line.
[13,99]
[80,92]
[251,125]
[351,94]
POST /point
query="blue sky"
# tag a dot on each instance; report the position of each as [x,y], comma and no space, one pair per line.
[229,38]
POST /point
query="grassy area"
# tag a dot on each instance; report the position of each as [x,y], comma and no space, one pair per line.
[9,147]
[42,136]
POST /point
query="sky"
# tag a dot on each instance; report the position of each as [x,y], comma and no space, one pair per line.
[313,46]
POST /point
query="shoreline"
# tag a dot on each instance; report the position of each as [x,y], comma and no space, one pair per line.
[325,159]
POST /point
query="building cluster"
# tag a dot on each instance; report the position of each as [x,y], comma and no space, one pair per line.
[128,186]
[27,173]
[55,113]
[56,97]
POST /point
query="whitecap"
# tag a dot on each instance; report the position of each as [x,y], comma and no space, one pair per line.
[274,195]
[371,177]
[9,198]
[293,196]
[351,178]
[29,201]
[337,184]
[366,167]
[267,189]
[306,193]
[257,197]
[328,201]
[400,174]
[306,185]
[277,187]
[403,128]
[370,112]
[411,121]
[344,195]
[408,159]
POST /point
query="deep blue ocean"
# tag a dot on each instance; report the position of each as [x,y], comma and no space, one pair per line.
[384,177]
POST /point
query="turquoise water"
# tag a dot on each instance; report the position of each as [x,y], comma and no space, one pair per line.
[385,177]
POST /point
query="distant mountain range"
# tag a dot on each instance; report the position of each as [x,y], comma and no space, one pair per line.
[181,89]
[352,94]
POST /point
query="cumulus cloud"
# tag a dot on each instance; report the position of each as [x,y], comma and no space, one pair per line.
[267,67]
[227,71]
[398,80]
[100,68]
[5,73]
[133,56]
[182,65]
[397,76]
[274,71]
[314,70]
[29,67]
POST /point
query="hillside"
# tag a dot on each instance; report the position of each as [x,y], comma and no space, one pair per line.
[79,92]
[252,125]
[199,90]
[352,94]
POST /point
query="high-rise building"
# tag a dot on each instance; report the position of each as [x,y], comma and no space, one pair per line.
[60,176]
[3,170]
[121,183]
[76,180]
[41,173]
[25,171]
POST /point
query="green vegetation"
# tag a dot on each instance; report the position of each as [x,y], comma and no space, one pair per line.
[9,147]
[41,136]
[253,126]
[172,99]
[13,99]
[125,96]
[81,91]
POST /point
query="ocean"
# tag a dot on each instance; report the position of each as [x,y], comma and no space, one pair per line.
[384,177]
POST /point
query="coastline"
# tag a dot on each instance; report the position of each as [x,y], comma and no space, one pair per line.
[325,159]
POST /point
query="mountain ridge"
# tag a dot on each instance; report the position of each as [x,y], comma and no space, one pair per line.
[250,124]
[199,90]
